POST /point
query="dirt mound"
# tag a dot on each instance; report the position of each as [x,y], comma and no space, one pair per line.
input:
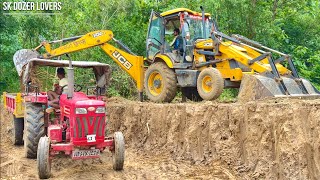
[272,139]
[275,139]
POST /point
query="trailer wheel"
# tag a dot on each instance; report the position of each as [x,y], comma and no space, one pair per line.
[118,152]
[34,128]
[43,158]
[210,84]
[160,83]
[18,127]
[191,93]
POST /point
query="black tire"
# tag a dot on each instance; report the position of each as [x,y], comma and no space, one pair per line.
[168,83]
[43,158]
[210,84]
[191,93]
[118,152]
[18,127]
[34,128]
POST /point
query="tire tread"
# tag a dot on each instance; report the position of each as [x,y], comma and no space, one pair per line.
[34,128]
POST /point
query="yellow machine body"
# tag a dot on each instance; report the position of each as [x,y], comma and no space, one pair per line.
[205,47]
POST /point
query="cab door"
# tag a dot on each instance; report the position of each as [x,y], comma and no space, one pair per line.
[155,36]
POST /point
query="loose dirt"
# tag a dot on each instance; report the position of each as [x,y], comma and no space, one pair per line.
[271,139]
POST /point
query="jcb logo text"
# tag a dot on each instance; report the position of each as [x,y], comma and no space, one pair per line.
[122,60]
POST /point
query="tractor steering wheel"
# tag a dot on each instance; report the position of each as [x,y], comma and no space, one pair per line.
[77,87]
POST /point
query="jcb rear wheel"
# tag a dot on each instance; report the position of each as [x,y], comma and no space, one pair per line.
[160,83]
[43,158]
[210,84]
[34,128]
[118,151]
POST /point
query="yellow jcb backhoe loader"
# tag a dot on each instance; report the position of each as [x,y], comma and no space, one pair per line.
[207,62]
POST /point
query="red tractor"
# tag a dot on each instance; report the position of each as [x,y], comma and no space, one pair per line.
[77,129]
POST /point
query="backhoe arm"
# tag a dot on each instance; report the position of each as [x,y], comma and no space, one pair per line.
[128,61]
[86,41]
[132,64]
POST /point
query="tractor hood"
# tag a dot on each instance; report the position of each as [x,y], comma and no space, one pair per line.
[80,100]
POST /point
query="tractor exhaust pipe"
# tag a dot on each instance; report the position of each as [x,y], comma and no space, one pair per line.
[70,80]
[203,23]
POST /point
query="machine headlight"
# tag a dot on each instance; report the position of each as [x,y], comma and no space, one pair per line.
[81,111]
[101,110]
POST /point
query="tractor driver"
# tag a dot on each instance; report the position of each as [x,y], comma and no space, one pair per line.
[53,96]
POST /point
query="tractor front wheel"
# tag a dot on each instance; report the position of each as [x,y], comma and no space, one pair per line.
[118,151]
[43,158]
[210,84]
[160,83]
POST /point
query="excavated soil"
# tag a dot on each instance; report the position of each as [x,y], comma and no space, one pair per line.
[270,139]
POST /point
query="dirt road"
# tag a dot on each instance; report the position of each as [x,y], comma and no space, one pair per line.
[137,166]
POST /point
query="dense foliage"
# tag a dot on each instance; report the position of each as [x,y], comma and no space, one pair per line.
[292,27]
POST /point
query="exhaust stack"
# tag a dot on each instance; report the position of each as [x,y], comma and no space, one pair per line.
[70,80]
[203,23]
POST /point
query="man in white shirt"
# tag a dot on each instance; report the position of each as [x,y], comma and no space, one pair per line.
[62,88]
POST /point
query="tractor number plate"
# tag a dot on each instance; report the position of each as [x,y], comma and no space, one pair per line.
[82,154]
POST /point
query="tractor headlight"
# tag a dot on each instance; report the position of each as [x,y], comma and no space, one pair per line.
[81,111]
[101,110]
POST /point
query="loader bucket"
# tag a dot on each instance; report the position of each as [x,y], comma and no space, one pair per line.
[22,57]
[254,87]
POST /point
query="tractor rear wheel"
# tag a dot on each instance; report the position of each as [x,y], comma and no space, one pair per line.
[34,128]
[210,84]
[191,93]
[43,158]
[160,83]
[118,152]
[18,127]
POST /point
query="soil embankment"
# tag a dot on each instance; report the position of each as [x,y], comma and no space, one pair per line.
[273,139]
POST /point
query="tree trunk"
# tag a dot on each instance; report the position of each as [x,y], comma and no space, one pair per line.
[274,9]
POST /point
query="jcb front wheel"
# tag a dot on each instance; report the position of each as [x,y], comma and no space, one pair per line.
[210,84]
[160,83]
